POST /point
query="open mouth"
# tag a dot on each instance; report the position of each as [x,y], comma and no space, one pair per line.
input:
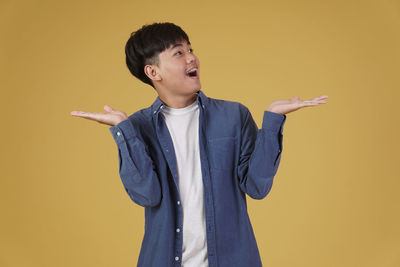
[193,74]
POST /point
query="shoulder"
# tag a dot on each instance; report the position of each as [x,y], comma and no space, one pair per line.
[233,111]
[141,121]
[227,105]
[140,116]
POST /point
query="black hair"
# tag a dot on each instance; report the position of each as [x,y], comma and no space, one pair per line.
[145,44]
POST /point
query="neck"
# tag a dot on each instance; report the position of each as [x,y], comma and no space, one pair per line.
[178,101]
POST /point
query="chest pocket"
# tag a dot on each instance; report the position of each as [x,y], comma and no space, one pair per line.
[222,152]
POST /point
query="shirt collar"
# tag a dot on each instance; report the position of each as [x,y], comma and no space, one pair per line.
[158,104]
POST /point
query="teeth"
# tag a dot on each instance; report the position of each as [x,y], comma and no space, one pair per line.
[192,70]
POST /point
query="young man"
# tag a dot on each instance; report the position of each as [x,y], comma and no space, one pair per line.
[190,159]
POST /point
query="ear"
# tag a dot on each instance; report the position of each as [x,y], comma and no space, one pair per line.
[152,72]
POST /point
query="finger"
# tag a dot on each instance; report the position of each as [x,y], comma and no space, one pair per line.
[313,103]
[307,103]
[86,115]
[108,108]
[294,100]
[319,101]
[76,113]
[321,97]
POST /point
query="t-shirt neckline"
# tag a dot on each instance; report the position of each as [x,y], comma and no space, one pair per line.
[180,111]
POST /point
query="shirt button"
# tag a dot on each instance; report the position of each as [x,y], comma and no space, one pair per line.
[178,202]
[178,230]
[166,150]
[176,258]
[154,111]
[118,133]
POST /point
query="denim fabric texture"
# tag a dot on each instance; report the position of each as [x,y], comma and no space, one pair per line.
[237,159]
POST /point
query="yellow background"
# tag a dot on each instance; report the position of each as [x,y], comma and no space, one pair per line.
[335,199]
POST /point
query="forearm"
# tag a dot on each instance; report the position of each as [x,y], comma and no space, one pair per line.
[136,168]
[260,154]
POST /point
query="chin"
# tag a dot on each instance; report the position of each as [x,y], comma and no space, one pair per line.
[198,87]
[194,89]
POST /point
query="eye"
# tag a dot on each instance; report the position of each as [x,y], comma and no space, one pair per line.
[181,52]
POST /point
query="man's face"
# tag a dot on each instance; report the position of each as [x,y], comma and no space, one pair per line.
[175,62]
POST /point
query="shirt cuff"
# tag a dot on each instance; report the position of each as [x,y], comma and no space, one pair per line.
[273,121]
[123,131]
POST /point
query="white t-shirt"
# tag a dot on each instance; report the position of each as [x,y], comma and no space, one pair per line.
[183,125]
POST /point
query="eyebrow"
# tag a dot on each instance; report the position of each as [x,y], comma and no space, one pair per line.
[178,44]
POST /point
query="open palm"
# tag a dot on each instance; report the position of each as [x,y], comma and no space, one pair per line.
[112,118]
[294,103]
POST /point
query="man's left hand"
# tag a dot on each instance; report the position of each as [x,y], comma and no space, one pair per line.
[294,103]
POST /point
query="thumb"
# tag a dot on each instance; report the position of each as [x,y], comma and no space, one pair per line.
[108,108]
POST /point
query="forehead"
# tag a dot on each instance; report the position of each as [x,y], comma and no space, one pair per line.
[178,44]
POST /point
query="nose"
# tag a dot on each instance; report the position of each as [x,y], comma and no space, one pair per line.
[191,58]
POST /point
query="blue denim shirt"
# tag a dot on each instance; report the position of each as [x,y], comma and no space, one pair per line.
[237,159]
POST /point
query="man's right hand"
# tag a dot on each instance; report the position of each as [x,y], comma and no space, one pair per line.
[112,118]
